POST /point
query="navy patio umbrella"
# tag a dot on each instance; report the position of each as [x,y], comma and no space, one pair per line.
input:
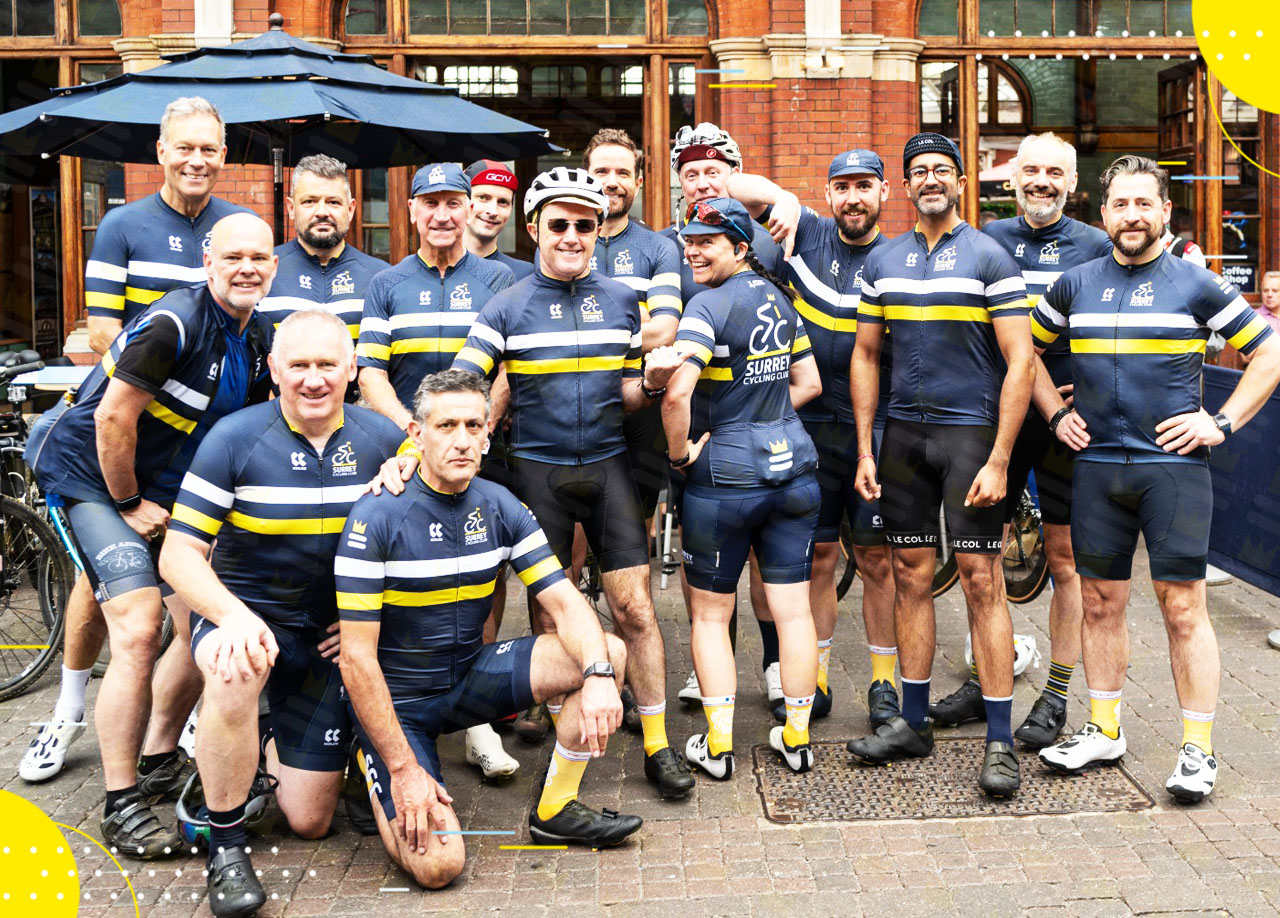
[282,99]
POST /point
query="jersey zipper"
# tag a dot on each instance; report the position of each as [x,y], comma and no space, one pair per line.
[577,377]
[457,585]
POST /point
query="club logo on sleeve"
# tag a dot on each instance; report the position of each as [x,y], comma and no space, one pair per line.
[344,461]
[1145,295]
[473,530]
[946,259]
[1049,255]
[304,281]
[622,263]
[298,461]
[424,298]
[460,297]
[343,285]
[591,310]
[356,538]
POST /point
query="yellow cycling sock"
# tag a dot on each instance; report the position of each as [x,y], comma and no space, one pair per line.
[553,711]
[883,661]
[1104,710]
[824,660]
[719,712]
[564,775]
[796,732]
[653,721]
[1196,728]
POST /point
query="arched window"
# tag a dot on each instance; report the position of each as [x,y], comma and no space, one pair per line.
[98,17]
[939,17]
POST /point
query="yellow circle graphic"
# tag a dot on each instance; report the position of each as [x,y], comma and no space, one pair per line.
[1240,41]
[38,875]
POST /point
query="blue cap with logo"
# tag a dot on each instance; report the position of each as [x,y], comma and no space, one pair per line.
[719,215]
[856,162]
[436,177]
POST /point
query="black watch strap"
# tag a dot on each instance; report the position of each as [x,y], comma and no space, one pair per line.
[1223,422]
[1057,418]
[129,503]
[599,668]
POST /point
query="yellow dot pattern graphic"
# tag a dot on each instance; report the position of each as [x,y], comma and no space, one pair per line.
[1240,41]
[38,875]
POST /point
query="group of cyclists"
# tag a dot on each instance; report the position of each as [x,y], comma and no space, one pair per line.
[324,466]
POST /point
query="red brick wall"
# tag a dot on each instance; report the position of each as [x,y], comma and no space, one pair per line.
[250,186]
[142,17]
[177,16]
[251,16]
[310,18]
[896,18]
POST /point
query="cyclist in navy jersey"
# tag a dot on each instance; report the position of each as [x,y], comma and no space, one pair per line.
[493,191]
[749,465]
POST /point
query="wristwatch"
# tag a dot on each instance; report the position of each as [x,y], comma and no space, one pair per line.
[129,503]
[1223,422]
[598,668]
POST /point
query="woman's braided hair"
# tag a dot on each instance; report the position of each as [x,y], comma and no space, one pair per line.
[754,264]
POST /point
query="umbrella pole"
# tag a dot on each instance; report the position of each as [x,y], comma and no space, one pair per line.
[277,168]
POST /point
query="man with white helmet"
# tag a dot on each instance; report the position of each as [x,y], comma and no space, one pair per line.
[570,340]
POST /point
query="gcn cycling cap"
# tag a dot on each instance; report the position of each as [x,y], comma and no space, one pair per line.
[928,142]
[856,162]
[491,172]
[719,215]
[437,177]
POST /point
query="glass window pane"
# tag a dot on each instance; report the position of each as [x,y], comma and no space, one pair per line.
[6,18]
[369,17]
[35,18]
[995,17]
[984,94]
[1111,16]
[939,96]
[939,17]
[1010,102]
[468,18]
[687,17]
[548,17]
[1066,17]
[586,17]
[508,17]
[1128,92]
[1180,18]
[1241,217]
[374,194]
[99,17]
[95,73]
[377,242]
[1146,17]
[626,17]
[1035,17]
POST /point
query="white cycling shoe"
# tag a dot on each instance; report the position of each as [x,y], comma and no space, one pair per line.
[1025,652]
[45,756]
[484,750]
[1194,775]
[187,740]
[1087,746]
[692,692]
[798,758]
[696,752]
[773,682]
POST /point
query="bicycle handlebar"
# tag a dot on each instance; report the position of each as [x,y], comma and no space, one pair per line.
[8,373]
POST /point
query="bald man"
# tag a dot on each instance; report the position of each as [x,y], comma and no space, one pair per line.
[115,460]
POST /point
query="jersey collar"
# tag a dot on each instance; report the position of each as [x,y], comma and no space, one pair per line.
[178,214]
[1140,266]
[315,259]
[1037,231]
[342,420]
[447,271]
[443,495]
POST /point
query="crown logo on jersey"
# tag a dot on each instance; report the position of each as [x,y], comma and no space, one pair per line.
[343,284]
[1049,255]
[435,176]
[622,263]
[946,259]
[777,446]
[358,527]
[591,310]
[1145,295]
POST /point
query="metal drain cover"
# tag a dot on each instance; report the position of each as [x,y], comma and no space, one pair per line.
[942,786]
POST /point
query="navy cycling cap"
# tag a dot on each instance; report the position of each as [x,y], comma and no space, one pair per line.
[856,162]
[436,177]
[928,142]
[718,215]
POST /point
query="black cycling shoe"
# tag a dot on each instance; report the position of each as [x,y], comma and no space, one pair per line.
[1044,723]
[234,890]
[135,831]
[960,707]
[667,771]
[1000,775]
[533,725]
[821,704]
[165,782]
[578,824]
[895,740]
[882,703]
[355,797]
[631,712]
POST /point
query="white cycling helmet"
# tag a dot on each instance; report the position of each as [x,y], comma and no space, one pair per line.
[1025,652]
[705,134]
[564,183]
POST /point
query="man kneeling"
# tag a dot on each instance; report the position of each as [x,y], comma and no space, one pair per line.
[415,575]
[273,483]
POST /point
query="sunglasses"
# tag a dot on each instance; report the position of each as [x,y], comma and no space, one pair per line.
[707,213]
[584,226]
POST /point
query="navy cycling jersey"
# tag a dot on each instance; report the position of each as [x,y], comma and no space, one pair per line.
[645,261]
[827,273]
[276,506]
[1137,336]
[567,346]
[415,321]
[424,565]
[1043,253]
[302,282]
[192,357]
[744,335]
[143,250]
[762,245]
[940,307]
[519,269]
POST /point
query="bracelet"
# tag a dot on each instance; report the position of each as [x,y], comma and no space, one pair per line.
[1057,418]
[129,503]
[862,456]
[652,393]
[679,463]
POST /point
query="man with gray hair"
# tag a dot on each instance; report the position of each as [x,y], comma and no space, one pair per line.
[273,485]
[318,269]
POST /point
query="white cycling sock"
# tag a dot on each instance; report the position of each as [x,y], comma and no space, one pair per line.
[70,704]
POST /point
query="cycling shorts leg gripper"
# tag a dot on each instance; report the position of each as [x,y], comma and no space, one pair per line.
[117,559]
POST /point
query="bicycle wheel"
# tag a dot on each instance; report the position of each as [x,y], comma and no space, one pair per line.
[850,562]
[1026,566]
[35,581]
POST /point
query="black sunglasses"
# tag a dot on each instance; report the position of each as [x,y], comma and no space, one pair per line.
[585,226]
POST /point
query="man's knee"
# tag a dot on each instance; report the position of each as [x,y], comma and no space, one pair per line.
[1057,550]
[311,822]
[978,574]
[1184,614]
[617,652]
[135,634]
[631,604]
[439,868]
[234,698]
[913,570]
[874,563]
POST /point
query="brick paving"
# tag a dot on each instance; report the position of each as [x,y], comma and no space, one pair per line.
[716,854]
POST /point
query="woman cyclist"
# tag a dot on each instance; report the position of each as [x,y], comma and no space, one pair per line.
[730,419]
